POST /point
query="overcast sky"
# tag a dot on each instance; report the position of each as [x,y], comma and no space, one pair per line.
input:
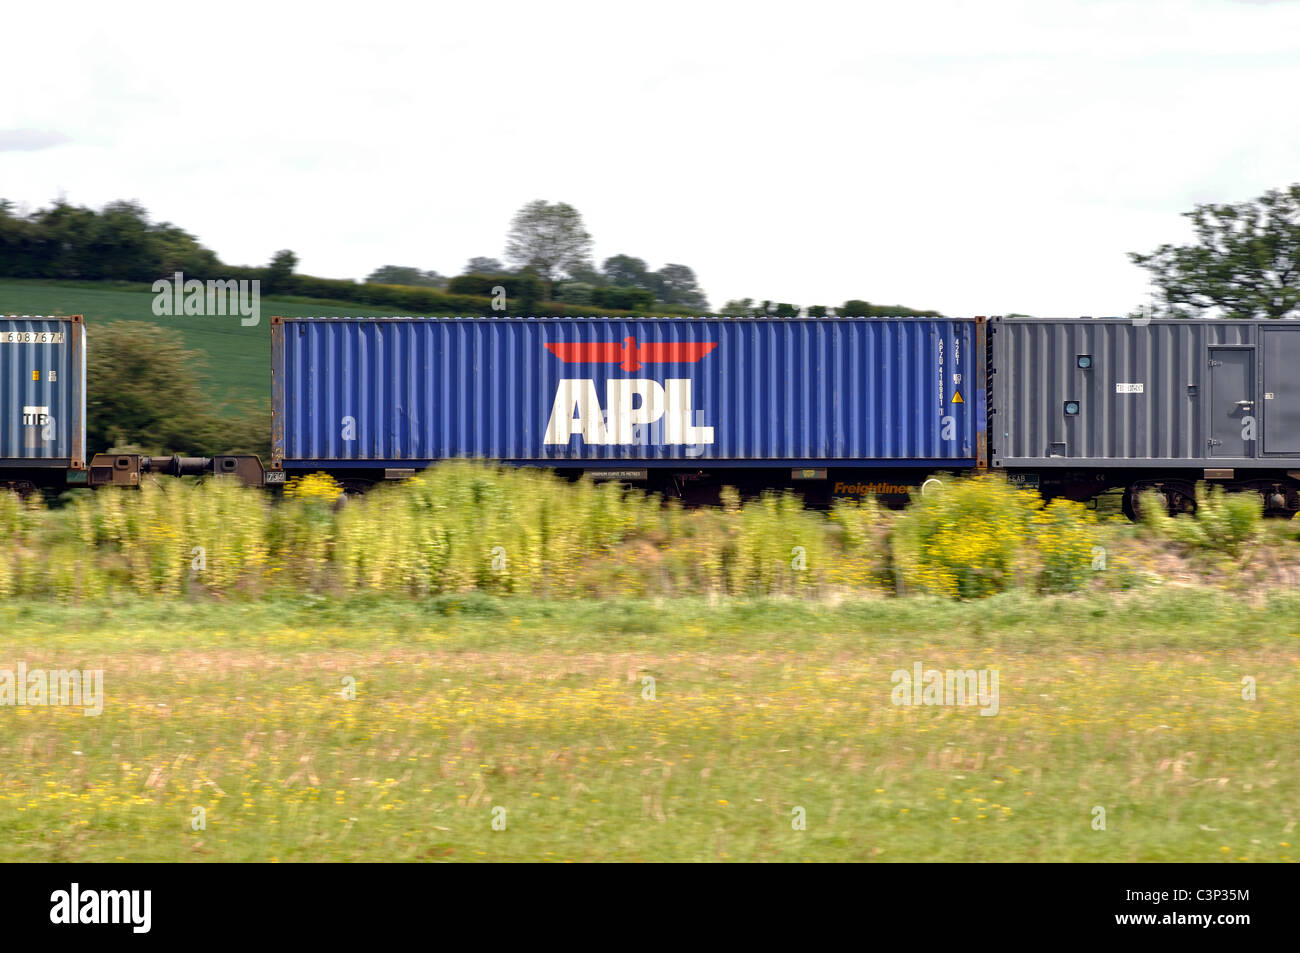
[976,158]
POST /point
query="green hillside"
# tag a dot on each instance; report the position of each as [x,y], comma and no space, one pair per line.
[239,358]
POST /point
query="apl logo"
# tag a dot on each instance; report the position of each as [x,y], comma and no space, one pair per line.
[629,355]
[634,407]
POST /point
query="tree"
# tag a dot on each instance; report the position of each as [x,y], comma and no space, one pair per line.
[626,271]
[484,266]
[119,246]
[549,238]
[1245,263]
[22,250]
[818,311]
[279,274]
[65,232]
[676,284]
[178,250]
[403,275]
[143,392]
[118,243]
[855,308]
[587,275]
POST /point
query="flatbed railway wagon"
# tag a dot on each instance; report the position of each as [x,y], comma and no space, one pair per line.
[833,406]
[43,417]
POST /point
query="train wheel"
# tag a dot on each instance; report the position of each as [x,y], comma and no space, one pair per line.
[351,490]
[1181,496]
[1279,497]
[1178,496]
[1133,499]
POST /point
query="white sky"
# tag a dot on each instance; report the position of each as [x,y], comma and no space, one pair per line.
[977,158]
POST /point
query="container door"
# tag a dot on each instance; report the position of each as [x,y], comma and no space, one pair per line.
[1232,402]
[1281,408]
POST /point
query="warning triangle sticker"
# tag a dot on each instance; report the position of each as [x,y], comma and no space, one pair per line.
[956,398]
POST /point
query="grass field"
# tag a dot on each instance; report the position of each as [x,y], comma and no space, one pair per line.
[239,358]
[467,704]
[400,712]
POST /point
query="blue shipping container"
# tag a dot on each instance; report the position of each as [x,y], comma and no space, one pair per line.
[405,392]
[42,392]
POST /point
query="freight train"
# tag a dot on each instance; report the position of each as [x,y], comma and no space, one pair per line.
[832,406]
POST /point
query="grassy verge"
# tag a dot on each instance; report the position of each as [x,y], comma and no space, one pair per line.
[465,704]
[461,527]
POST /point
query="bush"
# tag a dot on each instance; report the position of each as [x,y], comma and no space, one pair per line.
[978,536]
[623,299]
[405,298]
[19,520]
[1225,523]
[574,292]
[779,546]
[1064,536]
[864,545]
[455,528]
[521,288]
[857,308]
[144,392]
[966,540]
[167,537]
[465,527]
[1231,522]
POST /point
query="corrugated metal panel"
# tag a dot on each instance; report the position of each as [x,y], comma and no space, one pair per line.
[851,391]
[1147,398]
[42,391]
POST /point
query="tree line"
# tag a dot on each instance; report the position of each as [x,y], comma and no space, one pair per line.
[116,243]
[1244,263]
[547,259]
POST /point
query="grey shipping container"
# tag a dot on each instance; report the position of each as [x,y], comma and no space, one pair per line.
[1117,392]
[42,392]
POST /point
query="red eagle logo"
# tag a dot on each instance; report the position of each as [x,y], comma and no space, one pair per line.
[629,355]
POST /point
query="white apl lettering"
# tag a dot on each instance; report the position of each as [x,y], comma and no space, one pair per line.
[632,403]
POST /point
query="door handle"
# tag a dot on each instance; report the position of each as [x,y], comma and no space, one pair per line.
[1245,404]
